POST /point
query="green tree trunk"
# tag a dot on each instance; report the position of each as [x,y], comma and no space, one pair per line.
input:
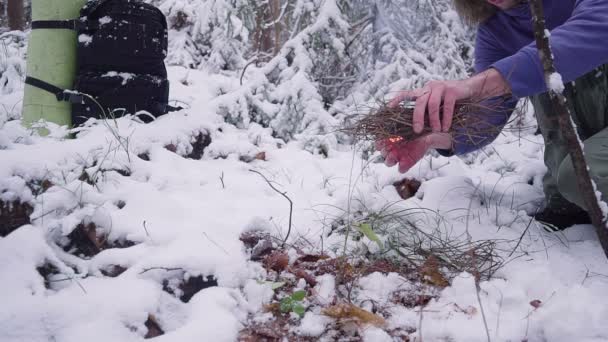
[51,58]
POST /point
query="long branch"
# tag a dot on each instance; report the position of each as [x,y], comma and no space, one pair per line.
[558,100]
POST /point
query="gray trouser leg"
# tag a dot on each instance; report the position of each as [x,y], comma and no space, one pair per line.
[588,101]
[596,155]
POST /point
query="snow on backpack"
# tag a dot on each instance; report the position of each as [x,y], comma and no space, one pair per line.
[121,49]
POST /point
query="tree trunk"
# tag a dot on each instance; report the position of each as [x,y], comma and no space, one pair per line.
[558,100]
[15,14]
[267,36]
[275,8]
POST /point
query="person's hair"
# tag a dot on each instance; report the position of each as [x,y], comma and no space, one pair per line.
[474,12]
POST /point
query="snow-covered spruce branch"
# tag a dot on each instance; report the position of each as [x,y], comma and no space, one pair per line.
[404,54]
[555,86]
[13,46]
[289,93]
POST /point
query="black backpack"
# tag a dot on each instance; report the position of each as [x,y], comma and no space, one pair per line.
[122,45]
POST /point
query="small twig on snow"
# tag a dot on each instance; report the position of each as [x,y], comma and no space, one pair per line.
[483,314]
[286,197]
[522,236]
[216,244]
[222,180]
[146,229]
[161,268]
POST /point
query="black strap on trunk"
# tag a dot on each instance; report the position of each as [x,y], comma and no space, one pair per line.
[60,94]
[71,24]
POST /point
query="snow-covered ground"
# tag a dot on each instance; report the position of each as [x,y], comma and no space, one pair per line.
[188,214]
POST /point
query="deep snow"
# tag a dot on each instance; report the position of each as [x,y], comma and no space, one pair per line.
[184,213]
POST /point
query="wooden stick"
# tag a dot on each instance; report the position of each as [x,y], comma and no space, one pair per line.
[558,100]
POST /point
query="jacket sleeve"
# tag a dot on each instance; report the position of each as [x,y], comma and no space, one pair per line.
[578,45]
[487,121]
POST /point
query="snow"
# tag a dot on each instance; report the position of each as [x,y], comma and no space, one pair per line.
[313,324]
[373,334]
[105,20]
[598,196]
[257,294]
[193,222]
[556,83]
[12,68]
[126,77]
[326,289]
[14,189]
[378,288]
[188,214]
[401,317]
[85,39]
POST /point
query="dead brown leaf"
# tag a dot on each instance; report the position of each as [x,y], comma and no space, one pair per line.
[273,307]
[276,261]
[407,188]
[352,312]
[262,248]
[260,156]
[13,215]
[431,273]
[171,148]
[312,258]
[154,329]
[253,237]
[339,267]
[301,274]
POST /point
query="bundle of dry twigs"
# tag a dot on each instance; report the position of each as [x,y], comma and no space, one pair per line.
[473,120]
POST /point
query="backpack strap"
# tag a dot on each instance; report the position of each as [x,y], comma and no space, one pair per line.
[91,6]
[170,108]
[61,94]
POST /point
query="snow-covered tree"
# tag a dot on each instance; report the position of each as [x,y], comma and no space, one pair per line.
[286,93]
[413,42]
[210,34]
[13,48]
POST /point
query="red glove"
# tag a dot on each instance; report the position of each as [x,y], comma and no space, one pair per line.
[408,153]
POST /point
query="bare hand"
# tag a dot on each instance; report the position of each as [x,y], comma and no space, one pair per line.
[436,94]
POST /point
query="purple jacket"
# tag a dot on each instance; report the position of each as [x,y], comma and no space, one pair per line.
[579,40]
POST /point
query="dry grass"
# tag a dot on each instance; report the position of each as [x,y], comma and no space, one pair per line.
[474,121]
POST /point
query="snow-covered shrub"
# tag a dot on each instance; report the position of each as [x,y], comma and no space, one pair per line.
[285,93]
[210,34]
[12,61]
[223,33]
[181,16]
[413,42]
